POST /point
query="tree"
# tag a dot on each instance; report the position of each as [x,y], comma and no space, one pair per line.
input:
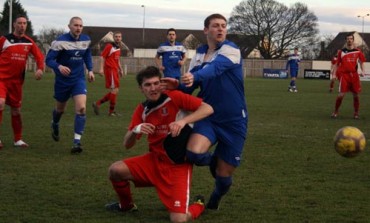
[274,26]
[17,9]
[48,35]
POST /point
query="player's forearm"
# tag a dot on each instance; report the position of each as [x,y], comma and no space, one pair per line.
[203,111]
[129,140]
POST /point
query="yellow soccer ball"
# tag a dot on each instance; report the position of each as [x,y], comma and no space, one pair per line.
[349,141]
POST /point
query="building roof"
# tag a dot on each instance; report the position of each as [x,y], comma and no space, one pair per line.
[141,38]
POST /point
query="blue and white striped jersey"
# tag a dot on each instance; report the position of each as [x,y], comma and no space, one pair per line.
[171,55]
[72,53]
[221,84]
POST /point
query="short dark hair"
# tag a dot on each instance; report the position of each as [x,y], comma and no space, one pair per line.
[20,16]
[350,34]
[171,29]
[148,72]
[295,48]
[207,21]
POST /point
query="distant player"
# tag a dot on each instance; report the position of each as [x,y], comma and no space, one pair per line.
[293,64]
[173,56]
[68,56]
[347,66]
[334,76]
[14,50]
[112,70]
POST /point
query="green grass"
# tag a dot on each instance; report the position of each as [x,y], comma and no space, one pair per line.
[289,173]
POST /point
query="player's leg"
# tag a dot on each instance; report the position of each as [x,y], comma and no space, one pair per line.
[56,116]
[228,155]
[140,169]
[223,182]
[202,138]
[343,88]
[108,80]
[119,175]
[2,106]
[113,101]
[78,93]
[79,122]
[61,95]
[14,101]
[356,105]
[293,85]
[356,99]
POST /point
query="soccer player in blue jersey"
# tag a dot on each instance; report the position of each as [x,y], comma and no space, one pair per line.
[293,64]
[217,70]
[69,56]
[173,56]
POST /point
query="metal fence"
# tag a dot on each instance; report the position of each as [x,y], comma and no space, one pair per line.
[251,67]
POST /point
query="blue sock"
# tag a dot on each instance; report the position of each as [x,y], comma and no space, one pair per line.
[222,186]
[202,159]
[292,83]
[56,116]
[79,127]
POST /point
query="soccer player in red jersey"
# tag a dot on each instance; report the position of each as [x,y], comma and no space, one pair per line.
[156,118]
[14,50]
[112,72]
[347,66]
[334,76]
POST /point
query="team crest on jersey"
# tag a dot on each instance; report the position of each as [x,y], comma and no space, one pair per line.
[177,204]
[164,111]
[26,48]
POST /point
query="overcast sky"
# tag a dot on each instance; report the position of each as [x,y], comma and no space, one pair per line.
[180,14]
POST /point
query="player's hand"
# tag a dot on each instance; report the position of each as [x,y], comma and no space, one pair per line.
[175,127]
[38,74]
[120,72]
[144,128]
[188,79]
[181,62]
[169,83]
[91,77]
[65,71]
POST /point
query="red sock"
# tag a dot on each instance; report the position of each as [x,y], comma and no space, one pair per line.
[338,102]
[196,210]
[356,103]
[113,99]
[17,127]
[103,99]
[123,191]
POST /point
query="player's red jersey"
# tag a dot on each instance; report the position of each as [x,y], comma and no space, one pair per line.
[334,60]
[111,55]
[348,60]
[14,52]
[161,114]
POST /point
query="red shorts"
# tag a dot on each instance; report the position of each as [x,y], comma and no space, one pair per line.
[172,181]
[111,78]
[11,90]
[349,82]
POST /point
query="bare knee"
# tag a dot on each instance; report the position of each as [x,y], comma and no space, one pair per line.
[179,217]
[118,171]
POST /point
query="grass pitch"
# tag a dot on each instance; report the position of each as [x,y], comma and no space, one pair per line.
[290,171]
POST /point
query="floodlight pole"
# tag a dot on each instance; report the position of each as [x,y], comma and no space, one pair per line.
[363,22]
[143,6]
[10,15]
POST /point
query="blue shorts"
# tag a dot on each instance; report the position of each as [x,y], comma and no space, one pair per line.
[229,143]
[63,91]
[293,73]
